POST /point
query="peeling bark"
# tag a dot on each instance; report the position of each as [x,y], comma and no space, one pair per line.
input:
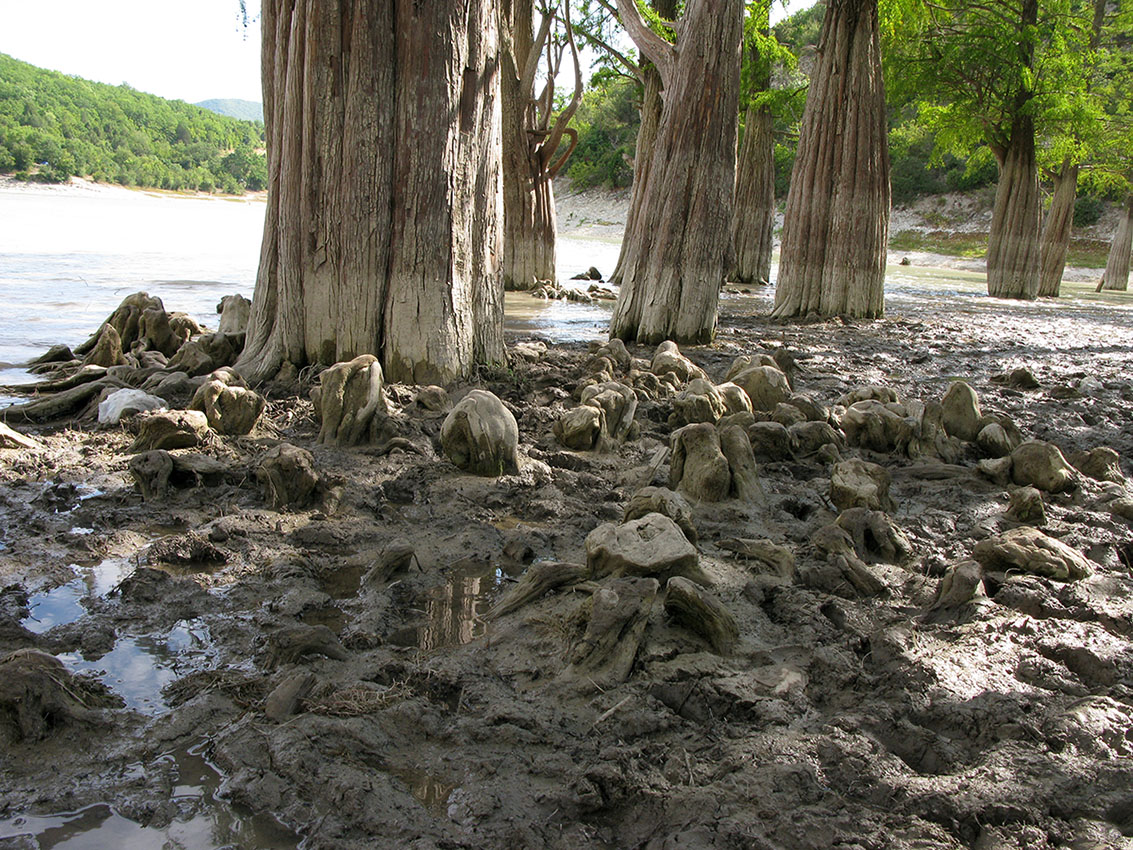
[1116,276]
[754,217]
[1056,230]
[681,246]
[836,227]
[382,227]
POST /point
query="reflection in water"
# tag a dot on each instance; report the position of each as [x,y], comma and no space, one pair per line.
[202,822]
[453,611]
[62,605]
[430,792]
[139,668]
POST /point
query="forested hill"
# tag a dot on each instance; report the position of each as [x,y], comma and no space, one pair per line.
[246,110]
[53,126]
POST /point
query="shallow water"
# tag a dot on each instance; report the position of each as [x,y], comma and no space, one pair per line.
[68,256]
[203,822]
[138,667]
[64,604]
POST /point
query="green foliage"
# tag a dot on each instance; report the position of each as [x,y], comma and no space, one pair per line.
[969,69]
[607,123]
[53,127]
[1087,210]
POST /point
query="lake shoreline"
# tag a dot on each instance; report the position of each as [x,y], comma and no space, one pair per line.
[599,214]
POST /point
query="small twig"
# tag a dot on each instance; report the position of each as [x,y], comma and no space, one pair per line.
[605,715]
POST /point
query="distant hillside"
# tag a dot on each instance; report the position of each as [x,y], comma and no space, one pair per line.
[245,110]
[53,126]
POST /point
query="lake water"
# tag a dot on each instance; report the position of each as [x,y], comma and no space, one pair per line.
[69,255]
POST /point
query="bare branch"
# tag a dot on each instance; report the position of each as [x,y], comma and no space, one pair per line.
[656,49]
[552,143]
[527,81]
[553,170]
[628,63]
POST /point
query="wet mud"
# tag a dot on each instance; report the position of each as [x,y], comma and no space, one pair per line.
[251,677]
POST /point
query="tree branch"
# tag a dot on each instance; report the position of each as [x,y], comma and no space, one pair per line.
[527,81]
[629,64]
[656,49]
[552,144]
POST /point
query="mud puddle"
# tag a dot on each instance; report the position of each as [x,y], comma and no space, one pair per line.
[454,610]
[200,819]
[138,667]
[68,602]
[430,791]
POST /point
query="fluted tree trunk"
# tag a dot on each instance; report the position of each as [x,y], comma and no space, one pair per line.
[383,134]
[836,227]
[1116,275]
[1056,230]
[529,235]
[646,136]
[1013,241]
[681,245]
[642,158]
[754,220]
[530,143]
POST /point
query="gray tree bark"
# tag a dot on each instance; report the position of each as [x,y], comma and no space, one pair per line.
[836,227]
[1056,230]
[646,135]
[681,246]
[642,158]
[529,213]
[1013,242]
[383,219]
[1116,275]
[754,220]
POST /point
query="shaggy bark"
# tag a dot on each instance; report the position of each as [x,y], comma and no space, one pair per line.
[755,199]
[1013,242]
[1056,231]
[646,137]
[383,136]
[680,246]
[1116,274]
[836,227]
[530,144]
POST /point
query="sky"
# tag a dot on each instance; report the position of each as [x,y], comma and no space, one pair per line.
[189,50]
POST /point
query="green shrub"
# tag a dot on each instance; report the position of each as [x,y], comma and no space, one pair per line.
[1087,210]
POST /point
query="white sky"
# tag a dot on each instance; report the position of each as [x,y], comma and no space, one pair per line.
[189,50]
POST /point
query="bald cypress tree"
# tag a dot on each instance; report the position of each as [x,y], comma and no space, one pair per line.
[383,219]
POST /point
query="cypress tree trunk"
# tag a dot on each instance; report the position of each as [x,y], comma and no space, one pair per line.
[681,244]
[1056,231]
[1116,274]
[642,158]
[383,133]
[836,228]
[529,205]
[1013,243]
[754,218]
[646,136]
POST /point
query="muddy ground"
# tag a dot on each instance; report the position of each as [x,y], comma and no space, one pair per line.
[838,720]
